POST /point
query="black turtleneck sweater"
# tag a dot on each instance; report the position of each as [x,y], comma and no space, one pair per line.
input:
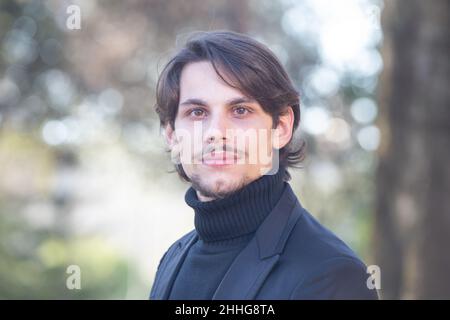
[224,226]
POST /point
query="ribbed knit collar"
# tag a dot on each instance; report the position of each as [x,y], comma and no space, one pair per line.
[240,213]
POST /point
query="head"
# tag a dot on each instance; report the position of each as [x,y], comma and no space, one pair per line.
[228,111]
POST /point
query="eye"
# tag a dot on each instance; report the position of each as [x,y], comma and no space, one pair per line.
[241,111]
[196,112]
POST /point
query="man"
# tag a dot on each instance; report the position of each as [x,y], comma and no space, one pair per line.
[252,238]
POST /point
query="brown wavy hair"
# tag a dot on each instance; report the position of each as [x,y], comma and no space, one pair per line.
[250,67]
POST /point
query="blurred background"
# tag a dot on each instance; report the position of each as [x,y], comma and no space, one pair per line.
[84,177]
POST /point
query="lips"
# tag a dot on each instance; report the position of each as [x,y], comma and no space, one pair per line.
[219,158]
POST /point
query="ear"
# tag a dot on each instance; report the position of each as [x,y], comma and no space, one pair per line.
[169,135]
[284,128]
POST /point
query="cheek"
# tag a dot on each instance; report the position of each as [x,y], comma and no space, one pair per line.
[186,144]
[251,150]
[258,136]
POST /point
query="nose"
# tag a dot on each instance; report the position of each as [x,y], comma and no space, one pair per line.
[215,131]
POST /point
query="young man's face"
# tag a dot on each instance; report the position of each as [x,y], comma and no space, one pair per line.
[213,117]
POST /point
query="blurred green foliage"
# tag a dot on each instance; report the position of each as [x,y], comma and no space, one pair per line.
[63,92]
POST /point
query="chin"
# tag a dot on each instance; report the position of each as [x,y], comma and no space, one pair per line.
[221,179]
[220,187]
[228,172]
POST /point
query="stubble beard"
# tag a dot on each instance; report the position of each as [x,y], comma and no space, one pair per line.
[211,192]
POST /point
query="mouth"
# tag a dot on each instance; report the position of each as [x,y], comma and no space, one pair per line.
[219,159]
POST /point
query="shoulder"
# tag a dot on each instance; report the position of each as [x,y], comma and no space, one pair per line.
[326,267]
[166,258]
[312,243]
[335,278]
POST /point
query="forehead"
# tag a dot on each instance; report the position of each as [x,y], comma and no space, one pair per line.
[200,80]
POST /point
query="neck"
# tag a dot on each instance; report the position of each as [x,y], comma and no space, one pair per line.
[238,214]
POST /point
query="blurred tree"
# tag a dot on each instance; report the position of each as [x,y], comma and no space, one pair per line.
[413,218]
[65,95]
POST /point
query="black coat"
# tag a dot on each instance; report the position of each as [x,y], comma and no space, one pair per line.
[291,256]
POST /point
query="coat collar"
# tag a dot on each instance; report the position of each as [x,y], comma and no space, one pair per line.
[250,268]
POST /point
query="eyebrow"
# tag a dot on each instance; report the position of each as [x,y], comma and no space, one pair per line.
[230,102]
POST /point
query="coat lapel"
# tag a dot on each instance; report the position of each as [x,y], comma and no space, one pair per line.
[252,266]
